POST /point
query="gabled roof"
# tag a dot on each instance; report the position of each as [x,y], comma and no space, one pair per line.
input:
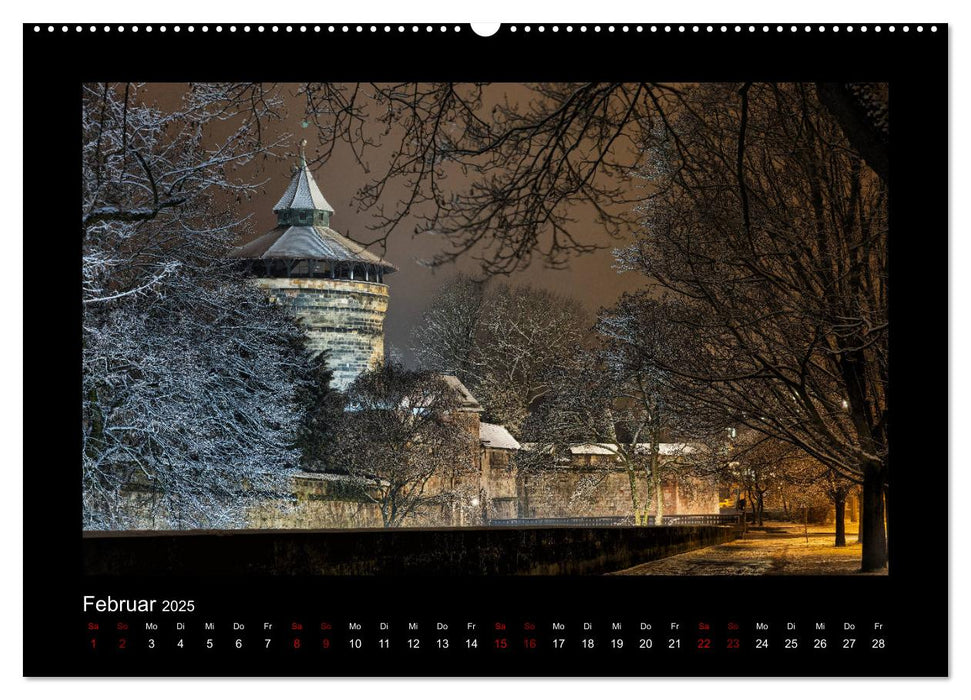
[467,402]
[303,193]
[308,243]
[497,437]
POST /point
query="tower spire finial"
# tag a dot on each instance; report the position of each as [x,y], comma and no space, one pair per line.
[303,153]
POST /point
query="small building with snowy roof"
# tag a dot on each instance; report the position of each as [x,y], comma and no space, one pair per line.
[497,437]
[499,474]
[334,285]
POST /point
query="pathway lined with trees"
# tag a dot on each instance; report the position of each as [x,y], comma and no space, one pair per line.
[777,549]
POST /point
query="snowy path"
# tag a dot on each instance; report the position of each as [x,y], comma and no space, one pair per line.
[778,549]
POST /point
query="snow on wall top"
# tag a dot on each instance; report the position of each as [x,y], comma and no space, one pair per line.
[303,193]
[336,477]
[492,435]
[604,448]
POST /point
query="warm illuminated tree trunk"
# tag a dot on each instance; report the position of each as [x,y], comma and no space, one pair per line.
[839,501]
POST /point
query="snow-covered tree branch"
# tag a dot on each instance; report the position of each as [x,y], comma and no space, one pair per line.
[503,342]
[190,376]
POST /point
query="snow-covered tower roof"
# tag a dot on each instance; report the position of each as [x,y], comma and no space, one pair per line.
[302,193]
[303,233]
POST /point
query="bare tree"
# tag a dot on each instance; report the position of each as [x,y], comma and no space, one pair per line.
[504,342]
[762,219]
[451,330]
[400,430]
[761,466]
[769,234]
[497,175]
[604,397]
[189,375]
[647,406]
[863,113]
[580,408]
[506,172]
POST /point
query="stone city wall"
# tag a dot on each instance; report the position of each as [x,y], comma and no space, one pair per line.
[500,492]
[499,479]
[325,501]
[321,501]
[572,491]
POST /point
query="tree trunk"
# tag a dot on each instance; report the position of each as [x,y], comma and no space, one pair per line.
[873,526]
[857,123]
[886,511]
[659,499]
[840,503]
[632,478]
[761,507]
[655,475]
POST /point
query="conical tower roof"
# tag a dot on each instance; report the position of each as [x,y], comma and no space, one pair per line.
[303,193]
[303,231]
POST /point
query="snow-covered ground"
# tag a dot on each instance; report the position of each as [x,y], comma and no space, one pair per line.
[777,549]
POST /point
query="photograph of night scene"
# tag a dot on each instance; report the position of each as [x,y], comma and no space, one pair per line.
[522,328]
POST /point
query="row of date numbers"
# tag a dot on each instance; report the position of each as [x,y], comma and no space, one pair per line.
[502,643]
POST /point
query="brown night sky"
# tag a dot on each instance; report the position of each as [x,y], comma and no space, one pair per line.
[589,278]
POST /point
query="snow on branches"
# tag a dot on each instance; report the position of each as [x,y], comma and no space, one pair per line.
[190,375]
[503,342]
[403,440]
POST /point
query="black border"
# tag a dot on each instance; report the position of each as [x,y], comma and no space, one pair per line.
[913,598]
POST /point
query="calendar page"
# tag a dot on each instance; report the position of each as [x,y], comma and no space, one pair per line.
[425,350]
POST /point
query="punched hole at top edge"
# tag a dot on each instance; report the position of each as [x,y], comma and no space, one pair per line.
[485,29]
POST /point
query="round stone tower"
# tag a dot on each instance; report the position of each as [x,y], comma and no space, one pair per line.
[333,285]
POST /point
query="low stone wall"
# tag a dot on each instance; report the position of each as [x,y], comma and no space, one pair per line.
[433,552]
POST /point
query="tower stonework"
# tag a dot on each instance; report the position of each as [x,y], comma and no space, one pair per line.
[342,316]
[333,285]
